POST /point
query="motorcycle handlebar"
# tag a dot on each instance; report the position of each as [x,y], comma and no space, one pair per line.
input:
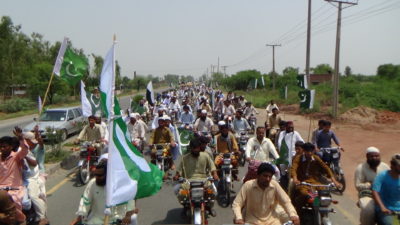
[331,185]
[9,188]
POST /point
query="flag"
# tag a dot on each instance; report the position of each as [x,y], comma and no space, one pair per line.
[302,81]
[262,81]
[40,105]
[129,175]
[283,154]
[107,83]
[90,103]
[150,93]
[307,99]
[137,108]
[253,84]
[70,66]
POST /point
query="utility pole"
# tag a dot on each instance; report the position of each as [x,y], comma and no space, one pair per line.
[224,68]
[212,70]
[218,65]
[335,103]
[273,63]
[308,43]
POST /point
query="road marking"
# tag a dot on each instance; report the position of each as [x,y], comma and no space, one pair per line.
[59,185]
[348,215]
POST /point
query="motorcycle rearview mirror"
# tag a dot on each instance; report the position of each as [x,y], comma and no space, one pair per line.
[34,119]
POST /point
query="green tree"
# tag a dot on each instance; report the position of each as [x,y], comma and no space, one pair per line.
[389,71]
[290,71]
[347,71]
[241,80]
[322,69]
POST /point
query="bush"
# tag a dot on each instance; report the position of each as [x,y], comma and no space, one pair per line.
[137,98]
[16,104]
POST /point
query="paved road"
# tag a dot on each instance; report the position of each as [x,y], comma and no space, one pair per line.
[162,208]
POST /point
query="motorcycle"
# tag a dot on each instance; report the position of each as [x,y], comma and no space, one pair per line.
[30,214]
[331,156]
[196,200]
[87,163]
[253,123]
[242,138]
[225,168]
[163,156]
[316,210]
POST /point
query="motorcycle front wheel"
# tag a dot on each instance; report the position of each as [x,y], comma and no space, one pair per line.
[224,194]
[84,173]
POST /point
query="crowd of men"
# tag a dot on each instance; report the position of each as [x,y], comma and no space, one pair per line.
[216,120]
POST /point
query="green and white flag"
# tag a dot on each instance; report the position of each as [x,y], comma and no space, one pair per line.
[253,83]
[129,175]
[107,83]
[90,103]
[302,81]
[307,99]
[70,66]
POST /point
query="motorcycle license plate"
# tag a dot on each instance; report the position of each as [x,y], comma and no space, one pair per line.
[335,155]
[160,152]
[225,166]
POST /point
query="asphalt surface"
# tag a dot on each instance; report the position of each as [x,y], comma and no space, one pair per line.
[163,208]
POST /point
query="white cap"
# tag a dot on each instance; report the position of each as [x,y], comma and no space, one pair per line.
[30,136]
[372,150]
[133,115]
[166,117]
[221,123]
[204,111]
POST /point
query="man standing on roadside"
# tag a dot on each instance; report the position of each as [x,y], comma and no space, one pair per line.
[363,179]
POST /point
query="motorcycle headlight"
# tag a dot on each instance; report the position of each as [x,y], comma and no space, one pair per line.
[325,201]
[227,161]
[197,193]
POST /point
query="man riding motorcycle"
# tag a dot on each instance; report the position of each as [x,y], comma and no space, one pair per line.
[226,143]
[137,131]
[259,199]
[386,193]
[93,202]
[249,109]
[272,124]
[162,135]
[228,109]
[204,123]
[363,179]
[94,133]
[240,123]
[308,167]
[260,148]
[186,117]
[196,165]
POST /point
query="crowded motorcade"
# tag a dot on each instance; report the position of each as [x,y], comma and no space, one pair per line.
[217,152]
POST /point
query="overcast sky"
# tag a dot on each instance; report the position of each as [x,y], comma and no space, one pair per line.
[187,36]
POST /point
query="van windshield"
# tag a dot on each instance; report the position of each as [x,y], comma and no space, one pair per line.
[53,116]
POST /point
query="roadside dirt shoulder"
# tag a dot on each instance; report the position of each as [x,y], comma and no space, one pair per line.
[354,138]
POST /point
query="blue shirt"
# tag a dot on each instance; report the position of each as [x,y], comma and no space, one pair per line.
[187,118]
[324,139]
[39,153]
[388,189]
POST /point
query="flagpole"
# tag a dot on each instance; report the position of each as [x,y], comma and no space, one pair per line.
[47,92]
[111,116]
